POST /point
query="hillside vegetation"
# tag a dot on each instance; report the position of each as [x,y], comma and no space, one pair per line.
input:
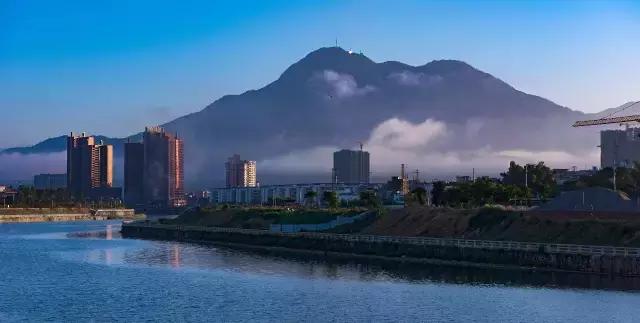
[258,218]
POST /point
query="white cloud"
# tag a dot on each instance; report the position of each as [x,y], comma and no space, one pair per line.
[400,134]
[409,78]
[344,85]
[424,146]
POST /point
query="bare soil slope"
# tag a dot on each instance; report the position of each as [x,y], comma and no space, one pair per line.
[495,224]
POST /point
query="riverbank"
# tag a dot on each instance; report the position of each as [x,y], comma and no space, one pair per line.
[491,254]
[58,215]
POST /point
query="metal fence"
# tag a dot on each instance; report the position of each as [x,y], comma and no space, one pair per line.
[424,241]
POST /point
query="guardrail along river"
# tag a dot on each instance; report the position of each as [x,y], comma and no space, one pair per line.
[84,271]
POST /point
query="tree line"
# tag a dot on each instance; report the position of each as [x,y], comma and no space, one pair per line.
[518,183]
[30,197]
[523,183]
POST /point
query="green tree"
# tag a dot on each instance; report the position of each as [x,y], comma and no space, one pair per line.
[437,193]
[627,180]
[419,195]
[538,177]
[310,198]
[369,199]
[331,198]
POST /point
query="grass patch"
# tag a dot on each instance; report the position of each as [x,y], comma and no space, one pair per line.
[258,218]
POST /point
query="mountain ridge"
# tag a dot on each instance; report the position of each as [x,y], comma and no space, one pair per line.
[333,98]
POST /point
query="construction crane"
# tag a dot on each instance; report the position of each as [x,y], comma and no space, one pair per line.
[608,119]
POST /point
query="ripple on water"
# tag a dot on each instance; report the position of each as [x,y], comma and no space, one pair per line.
[58,272]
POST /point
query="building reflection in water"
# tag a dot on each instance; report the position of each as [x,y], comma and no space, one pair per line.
[181,255]
[175,256]
[109,232]
[108,257]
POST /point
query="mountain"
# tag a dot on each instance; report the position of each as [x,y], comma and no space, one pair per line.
[443,113]
[54,145]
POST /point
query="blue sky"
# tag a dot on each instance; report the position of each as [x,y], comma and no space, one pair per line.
[112,67]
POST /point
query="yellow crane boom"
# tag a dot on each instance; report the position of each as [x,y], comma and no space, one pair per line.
[609,120]
[625,119]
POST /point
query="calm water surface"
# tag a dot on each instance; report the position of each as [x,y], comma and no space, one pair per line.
[84,271]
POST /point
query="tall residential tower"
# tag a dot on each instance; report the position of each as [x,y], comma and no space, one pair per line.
[619,148]
[240,173]
[351,166]
[134,174]
[154,170]
[89,167]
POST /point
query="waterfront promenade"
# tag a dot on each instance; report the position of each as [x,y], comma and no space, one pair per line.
[18,215]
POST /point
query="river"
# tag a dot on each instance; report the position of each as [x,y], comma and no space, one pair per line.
[84,271]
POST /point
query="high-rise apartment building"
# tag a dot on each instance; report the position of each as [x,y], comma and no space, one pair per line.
[619,147]
[154,170]
[240,173]
[351,166]
[134,174]
[89,166]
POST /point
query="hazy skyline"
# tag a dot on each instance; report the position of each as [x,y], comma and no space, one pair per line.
[115,69]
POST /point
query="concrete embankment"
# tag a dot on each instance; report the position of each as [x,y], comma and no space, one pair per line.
[504,254]
[41,215]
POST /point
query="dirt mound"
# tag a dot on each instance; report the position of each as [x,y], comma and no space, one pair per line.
[420,221]
[496,224]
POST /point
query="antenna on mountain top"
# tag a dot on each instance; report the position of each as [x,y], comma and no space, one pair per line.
[336,41]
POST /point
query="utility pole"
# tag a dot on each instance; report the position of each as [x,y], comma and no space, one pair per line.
[614,176]
[334,178]
[361,172]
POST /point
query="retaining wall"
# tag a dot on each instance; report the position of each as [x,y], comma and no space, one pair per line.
[41,216]
[48,218]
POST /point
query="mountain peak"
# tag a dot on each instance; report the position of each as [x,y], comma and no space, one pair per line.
[327,58]
[331,52]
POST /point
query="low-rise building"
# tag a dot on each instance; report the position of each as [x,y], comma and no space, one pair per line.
[463,179]
[7,196]
[290,193]
[50,181]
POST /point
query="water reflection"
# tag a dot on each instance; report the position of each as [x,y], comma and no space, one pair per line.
[189,256]
[95,279]
[175,256]
[109,233]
